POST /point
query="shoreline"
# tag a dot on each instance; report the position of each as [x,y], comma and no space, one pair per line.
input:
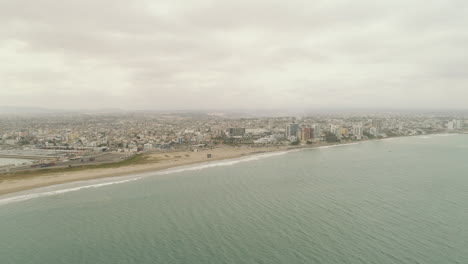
[12,185]
[161,161]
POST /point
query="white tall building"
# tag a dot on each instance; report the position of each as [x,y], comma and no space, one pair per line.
[317,130]
[455,124]
[336,130]
[450,125]
[358,131]
[377,124]
[291,130]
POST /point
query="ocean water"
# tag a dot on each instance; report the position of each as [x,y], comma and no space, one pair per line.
[10,161]
[402,200]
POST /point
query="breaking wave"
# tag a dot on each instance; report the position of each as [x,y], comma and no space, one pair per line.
[201,166]
[56,192]
[26,197]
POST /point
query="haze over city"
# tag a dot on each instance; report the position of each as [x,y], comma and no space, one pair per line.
[233,54]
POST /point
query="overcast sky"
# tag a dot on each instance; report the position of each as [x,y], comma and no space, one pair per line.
[242,54]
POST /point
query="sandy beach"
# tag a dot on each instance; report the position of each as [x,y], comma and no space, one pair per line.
[155,162]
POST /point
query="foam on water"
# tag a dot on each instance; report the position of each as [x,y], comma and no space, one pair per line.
[135,177]
[338,145]
[446,135]
[57,192]
[201,166]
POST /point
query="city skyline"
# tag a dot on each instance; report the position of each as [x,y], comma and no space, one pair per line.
[233,55]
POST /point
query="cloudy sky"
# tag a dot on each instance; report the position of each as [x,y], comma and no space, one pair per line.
[242,54]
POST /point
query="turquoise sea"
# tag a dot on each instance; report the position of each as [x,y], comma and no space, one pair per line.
[402,200]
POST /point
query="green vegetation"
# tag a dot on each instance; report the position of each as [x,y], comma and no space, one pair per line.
[24,142]
[295,143]
[133,160]
[369,135]
[331,138]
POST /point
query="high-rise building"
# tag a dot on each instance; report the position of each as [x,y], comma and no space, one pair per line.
[450,125]
[344,131]
[291,130]
[336,130]
[455,124]
[377,124]
[306,134]
[218,133]
[317,130]
[357,131]
[458,124]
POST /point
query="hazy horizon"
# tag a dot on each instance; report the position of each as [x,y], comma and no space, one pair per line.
[233,55]
[232,113]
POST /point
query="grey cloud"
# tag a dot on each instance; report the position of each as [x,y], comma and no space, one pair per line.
[233,54]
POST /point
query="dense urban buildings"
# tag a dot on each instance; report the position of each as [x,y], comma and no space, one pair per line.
[89,136]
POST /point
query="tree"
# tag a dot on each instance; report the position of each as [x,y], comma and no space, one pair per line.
[369,135]
[295,143]
[330,138]
[24,142]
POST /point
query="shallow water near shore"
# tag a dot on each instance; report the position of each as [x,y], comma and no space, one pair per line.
[394,201]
